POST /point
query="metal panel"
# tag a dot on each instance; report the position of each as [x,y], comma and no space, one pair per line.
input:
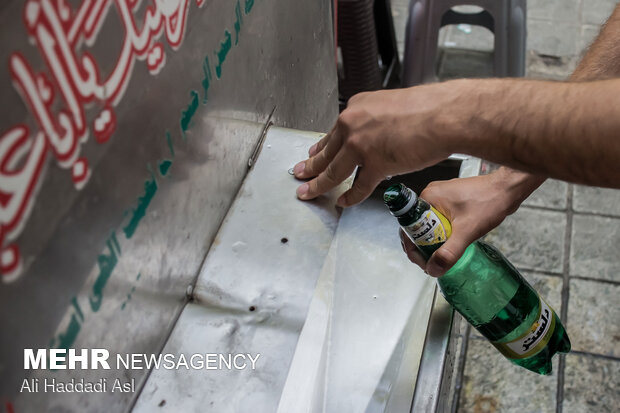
[253,293]
[377,306]
[103,230]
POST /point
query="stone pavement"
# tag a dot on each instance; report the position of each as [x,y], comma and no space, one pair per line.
[565,238]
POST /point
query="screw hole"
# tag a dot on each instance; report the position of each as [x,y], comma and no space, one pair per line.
[284,240]
[252,308]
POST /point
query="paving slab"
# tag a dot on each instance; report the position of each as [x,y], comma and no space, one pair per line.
[491,383]
[597,12]
[532,239]
[588,34]
[551,194]
[549,287]
[590,199]
[593,315]
[459,63]
[554,10]
[594,251]
[540,66]
[553,38]
[591,384]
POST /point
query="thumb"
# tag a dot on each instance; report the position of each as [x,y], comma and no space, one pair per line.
[447,255]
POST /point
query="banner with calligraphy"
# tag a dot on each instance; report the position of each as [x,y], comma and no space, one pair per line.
[125,134]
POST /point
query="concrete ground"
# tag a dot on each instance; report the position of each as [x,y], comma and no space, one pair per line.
[565,239]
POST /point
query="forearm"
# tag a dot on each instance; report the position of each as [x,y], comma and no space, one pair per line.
[561,130]
[602,60]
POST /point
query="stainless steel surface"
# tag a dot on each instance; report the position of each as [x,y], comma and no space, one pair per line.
[435,359]
[361,344]
[253,292]
[114,226]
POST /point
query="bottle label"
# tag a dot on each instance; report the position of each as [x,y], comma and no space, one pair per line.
[535,339]
[431,229]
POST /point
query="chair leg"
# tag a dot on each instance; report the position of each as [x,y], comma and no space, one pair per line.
[517,34]
[501,44]
[414,60]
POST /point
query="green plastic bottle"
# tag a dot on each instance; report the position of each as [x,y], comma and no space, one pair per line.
[485,288]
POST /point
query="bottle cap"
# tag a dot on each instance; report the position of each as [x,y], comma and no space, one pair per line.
[399,199]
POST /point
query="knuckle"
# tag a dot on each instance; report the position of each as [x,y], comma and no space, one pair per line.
[357,97]
[345,120]
[313,188]
[309,168]
[314,164]
[431,189]
[310,163]
[362,187]
[409,249]
[431,185]
[414,257]
[330,174]
[353,144]
[444,257]
[321,144]
[351,117]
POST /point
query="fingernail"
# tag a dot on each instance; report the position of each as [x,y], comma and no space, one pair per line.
[299,168]
[302,191]
[312,149]
[434,270]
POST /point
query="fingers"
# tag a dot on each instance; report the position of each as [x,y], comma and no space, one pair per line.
[445,257]
[317,147]
[366,181]
[321,154]
[339,169]
[411,250]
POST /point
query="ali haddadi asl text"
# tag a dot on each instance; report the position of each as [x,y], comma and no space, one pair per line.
[52,385]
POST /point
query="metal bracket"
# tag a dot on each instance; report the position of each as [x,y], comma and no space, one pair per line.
[261,140]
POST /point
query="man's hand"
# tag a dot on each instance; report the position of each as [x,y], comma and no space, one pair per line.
[386,133]
[532,126]
[474,206]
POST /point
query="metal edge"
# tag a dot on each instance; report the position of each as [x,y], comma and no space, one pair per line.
[431,374]
[470,166]
[261,140]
